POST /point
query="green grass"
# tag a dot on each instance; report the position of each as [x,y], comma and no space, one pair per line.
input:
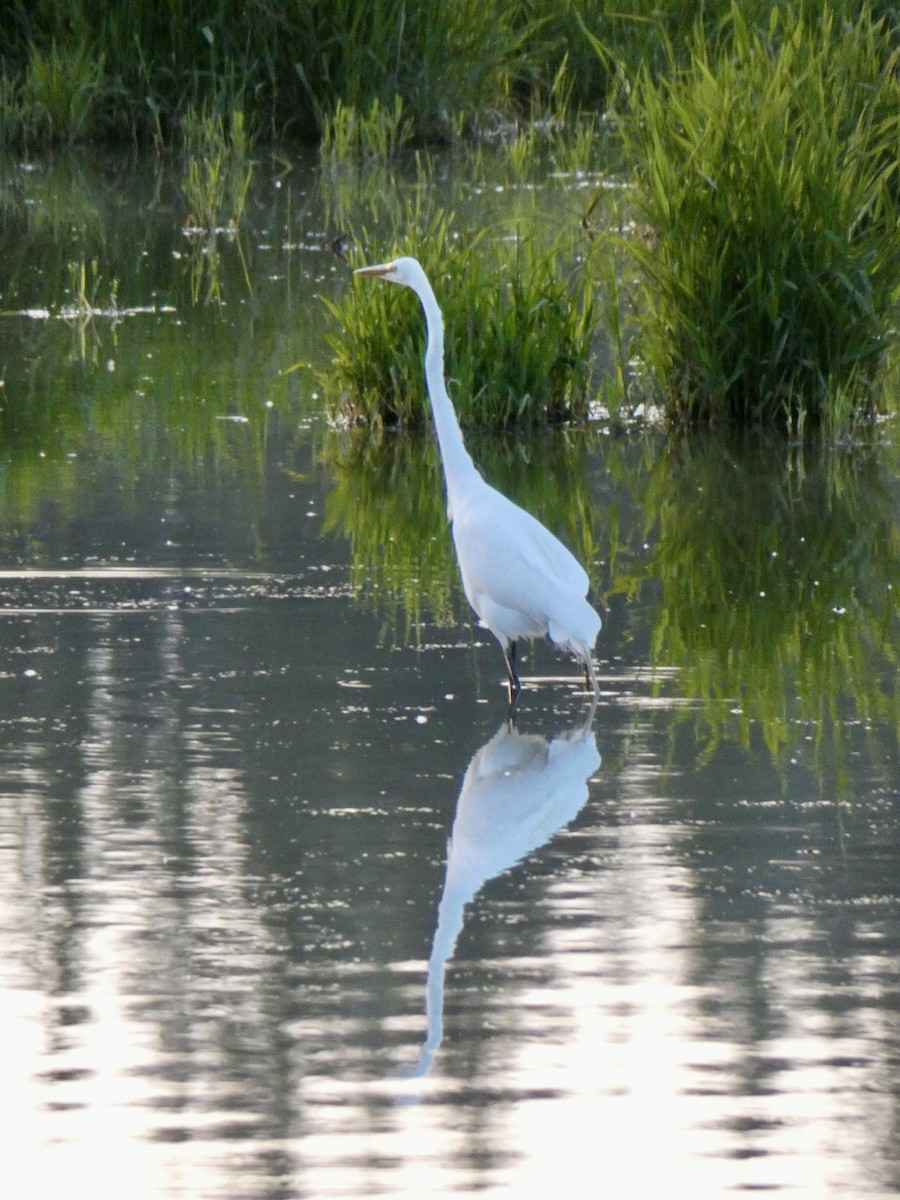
[379,133]
[764,141]
[11,111]
[61,92]
[766,173]
[78,70]
[518,332]
[217,170]
[72,69]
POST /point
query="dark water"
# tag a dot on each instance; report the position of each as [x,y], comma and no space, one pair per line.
[289,909]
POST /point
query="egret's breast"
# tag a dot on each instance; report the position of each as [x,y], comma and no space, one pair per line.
[505,623]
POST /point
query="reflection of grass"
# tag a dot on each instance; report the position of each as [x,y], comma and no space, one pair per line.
[775,568]
[389,501]
[52,200]
[84,289]
[149,387]
[85,284]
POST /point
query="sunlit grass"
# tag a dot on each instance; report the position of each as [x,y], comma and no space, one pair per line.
[766,173]
[217,170]
[61,92]
[553,137]
[580,146]
[351,136]
[519,326]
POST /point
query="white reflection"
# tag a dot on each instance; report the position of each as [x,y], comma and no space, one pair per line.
[134,963]
[519,789]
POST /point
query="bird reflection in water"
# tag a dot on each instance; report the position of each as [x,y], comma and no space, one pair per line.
[519,789]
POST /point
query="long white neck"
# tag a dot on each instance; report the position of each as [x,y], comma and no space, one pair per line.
[459,470]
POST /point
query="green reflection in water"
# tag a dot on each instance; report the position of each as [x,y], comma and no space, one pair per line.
[184,394]
[389,501]
[105,352]
[776,567]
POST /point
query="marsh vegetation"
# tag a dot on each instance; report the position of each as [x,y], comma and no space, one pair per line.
[767,175]
[767,566]
[749,273]
[242,690]
[709,254]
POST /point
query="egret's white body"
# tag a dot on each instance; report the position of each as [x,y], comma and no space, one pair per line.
[520,579]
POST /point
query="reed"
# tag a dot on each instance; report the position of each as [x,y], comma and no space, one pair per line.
[350,136]
[518,333]
[61,93]
[217,170]
[11,116]
[293,61]
[766,173]
[131,67]
[606,43]
[85,283]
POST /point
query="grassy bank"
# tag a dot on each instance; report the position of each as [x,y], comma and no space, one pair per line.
[72,70]
[69,74]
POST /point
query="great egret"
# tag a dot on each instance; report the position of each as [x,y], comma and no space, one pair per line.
[519,578]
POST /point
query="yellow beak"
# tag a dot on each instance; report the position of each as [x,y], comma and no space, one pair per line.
[380,269]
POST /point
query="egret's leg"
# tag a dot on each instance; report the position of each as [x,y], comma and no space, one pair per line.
[515,687]
[590,677]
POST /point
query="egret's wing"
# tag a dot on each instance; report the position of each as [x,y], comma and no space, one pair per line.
[507,554]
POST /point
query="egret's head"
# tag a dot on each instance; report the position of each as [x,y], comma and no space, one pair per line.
[401,270]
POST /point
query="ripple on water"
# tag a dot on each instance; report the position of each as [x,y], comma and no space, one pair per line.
[107,590]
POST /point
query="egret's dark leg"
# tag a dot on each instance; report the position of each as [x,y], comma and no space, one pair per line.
[514,686]
[590,678]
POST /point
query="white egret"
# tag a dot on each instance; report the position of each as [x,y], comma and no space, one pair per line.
[521,580]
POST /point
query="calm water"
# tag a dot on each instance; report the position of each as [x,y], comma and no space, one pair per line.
[287,907]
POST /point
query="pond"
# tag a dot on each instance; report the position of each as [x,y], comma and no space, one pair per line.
[288,906]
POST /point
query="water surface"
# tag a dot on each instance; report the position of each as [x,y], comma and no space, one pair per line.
[288,907]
